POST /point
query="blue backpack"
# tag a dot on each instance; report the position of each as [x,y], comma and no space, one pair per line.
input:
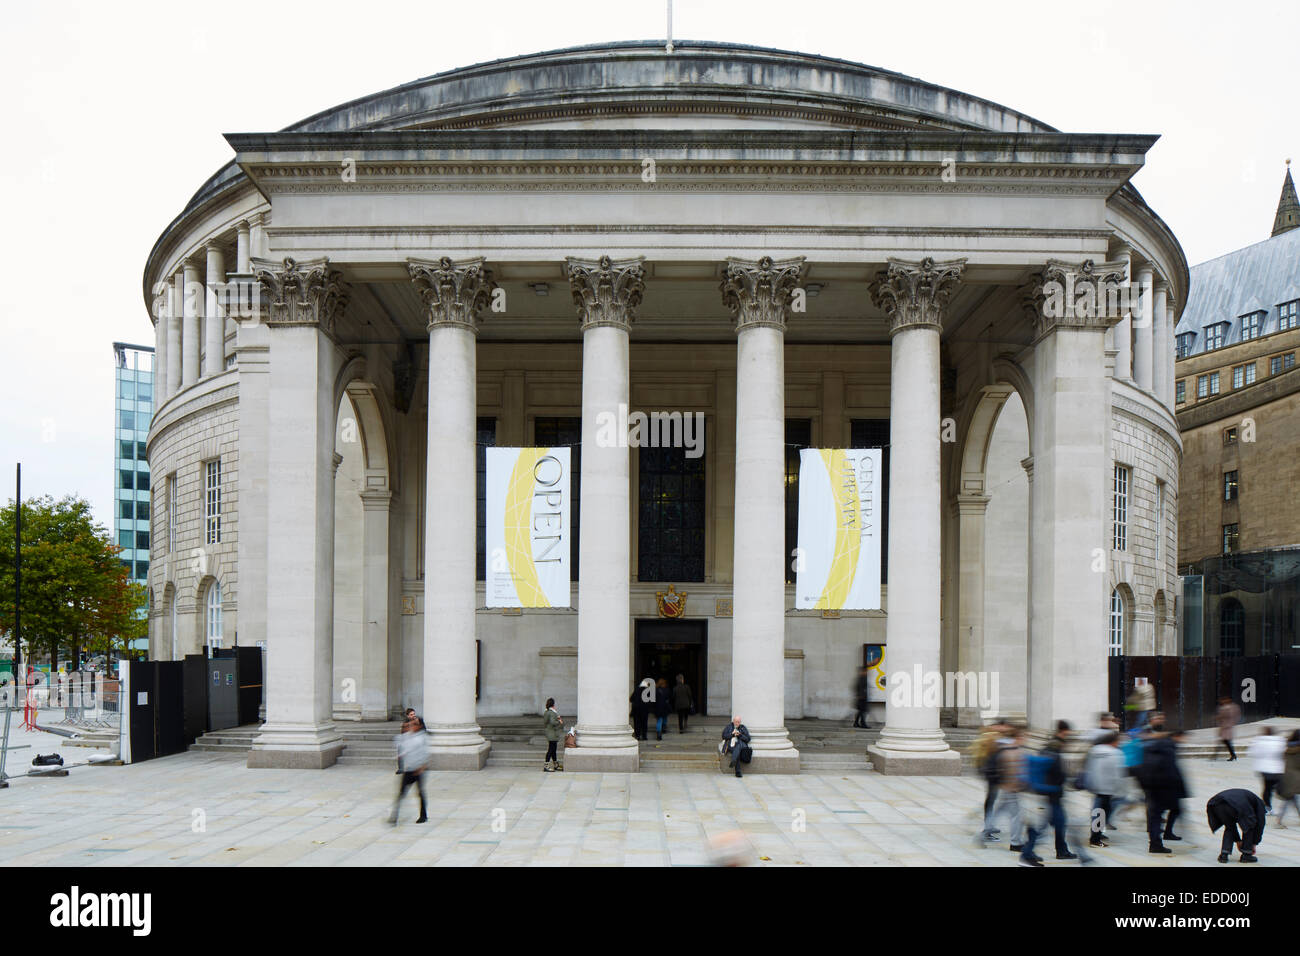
[1132,750]
[1037,766]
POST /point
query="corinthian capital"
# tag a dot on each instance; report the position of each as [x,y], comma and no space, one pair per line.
[607,291]
[915,293]
[1078,295]
[302,293]
[758,293]
[454,293]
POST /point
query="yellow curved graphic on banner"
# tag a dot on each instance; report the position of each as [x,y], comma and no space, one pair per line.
[518,537]
[848,528]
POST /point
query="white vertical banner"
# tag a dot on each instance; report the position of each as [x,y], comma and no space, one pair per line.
[840,520]
[528,527]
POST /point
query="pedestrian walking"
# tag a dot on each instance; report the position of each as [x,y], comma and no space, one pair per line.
[1227,716]
[1104,775]
[1289,786]
[985,754]
[1241,814]
[1011,783]
[663,707]
[1047,778]
[1268,753]
[1162,782]
[642,701]
[861,696]
[413,761]
[553,727]
[682,703]
[735,743]
[1143,702]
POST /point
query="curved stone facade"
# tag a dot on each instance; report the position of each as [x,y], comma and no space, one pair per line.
[308,341]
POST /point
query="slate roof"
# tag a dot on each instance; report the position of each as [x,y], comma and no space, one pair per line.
[1257,278]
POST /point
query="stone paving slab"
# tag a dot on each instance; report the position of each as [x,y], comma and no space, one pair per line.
[194,809]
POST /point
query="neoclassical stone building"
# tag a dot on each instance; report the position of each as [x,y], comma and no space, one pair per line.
[807,251]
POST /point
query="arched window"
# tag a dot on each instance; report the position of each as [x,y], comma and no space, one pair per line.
[1232,628]
[214,615]
[1116,623]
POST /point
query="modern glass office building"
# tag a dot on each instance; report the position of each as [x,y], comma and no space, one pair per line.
[133,383]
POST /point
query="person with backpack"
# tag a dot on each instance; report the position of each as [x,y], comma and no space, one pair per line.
[682,702]
[663,707]
[553,727]
[1046,772]
[1103,774]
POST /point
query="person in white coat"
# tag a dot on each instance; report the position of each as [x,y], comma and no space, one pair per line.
[1267,751]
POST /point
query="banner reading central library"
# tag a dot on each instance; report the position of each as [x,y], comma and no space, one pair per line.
[527,518]
[838,565]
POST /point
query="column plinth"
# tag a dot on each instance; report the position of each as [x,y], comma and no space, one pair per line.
[454,294]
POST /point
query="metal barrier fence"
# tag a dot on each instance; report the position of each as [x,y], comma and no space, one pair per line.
[1188,689]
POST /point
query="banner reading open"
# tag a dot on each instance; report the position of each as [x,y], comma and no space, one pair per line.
[528,527]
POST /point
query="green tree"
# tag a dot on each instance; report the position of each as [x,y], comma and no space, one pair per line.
[75,588]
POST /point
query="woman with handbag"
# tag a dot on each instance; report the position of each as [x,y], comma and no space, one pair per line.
[553,725]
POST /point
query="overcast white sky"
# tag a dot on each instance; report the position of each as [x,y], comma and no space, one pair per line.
[114,113]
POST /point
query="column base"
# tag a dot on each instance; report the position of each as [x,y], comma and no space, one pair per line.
[764,761]
[459,758]
[295,747]
[915,763]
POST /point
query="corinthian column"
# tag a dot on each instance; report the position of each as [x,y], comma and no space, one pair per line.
[606,293]
[214,314]
[758,295]
[192,305]
[913,295]
[454,294]
[1144,330]
[1122,331]
[306,301]
[1163,344]
[1068,499]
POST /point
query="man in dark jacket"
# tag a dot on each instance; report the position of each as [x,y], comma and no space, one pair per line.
[1241,814]
[861,694]
[735,741]
[1163,784]
[642,701]
[682,702]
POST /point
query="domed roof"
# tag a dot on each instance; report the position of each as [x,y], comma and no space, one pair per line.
[641,83]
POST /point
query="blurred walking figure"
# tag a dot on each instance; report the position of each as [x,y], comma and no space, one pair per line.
[735,743]
[1047,778]
[1289,787]
[413,761]
[1267,751]
[642,700]
[1241,814]
[663,707]
[985,752]
[1104,775]
[1162,781]
[682,703]
[1144,702]
[1011,783]
[1227,717]
[861,695]
[553,726]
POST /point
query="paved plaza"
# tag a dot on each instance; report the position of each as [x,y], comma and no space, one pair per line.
[211,810]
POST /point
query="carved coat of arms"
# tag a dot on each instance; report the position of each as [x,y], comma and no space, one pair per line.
[671,603]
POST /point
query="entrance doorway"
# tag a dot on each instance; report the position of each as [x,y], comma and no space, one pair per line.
[668,648]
